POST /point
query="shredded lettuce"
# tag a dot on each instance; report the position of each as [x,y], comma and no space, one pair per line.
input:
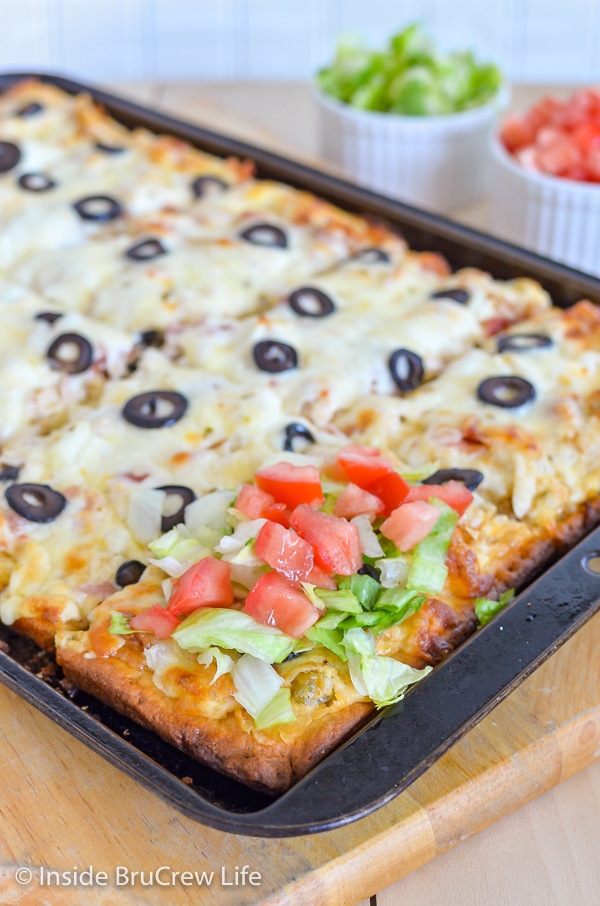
[365,589]
[382,679]
[343,600]
[409,77]
[278,711]
[233,630]
[329,637]
[390,607]
[179,544]
[428,571]
[331,619]
[255,683]
[487,609]
[119,624]
[388,547]
[224,663]
[420,474]
[401,601]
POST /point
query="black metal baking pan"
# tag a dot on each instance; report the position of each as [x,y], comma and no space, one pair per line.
[401,742]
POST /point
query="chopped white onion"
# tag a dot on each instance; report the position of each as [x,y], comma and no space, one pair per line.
[209,511]
[231,545]
[394,571]
[369,544]
[145,512]
[244,575]
[171,566]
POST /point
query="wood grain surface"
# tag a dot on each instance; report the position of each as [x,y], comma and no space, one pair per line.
[63,808]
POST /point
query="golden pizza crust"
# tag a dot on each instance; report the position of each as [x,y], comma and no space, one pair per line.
[261,760]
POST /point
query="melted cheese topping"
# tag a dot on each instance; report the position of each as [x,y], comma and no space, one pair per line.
[215,295]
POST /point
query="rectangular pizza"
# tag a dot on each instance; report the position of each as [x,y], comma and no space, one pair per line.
[263,466]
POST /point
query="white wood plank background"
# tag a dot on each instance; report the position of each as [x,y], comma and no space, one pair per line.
[533,40]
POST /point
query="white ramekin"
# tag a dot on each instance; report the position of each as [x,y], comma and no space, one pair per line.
[435,162]
[558,218]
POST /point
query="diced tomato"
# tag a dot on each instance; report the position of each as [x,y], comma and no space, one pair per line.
[592,163]
[587,136]
[410,523]
[251,501]
[285,551]
[559,157]
[453,493]
[320,578]
[205,584]
[157,619]
[336,542]
[516,133]
[290,484]
[544,112]
[363,465]
[391,490]
[493,326]
[279,513]
[561,138]
[275,601]
[353,501]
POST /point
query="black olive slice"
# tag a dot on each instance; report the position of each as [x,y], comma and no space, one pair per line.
[109,149]
[471,478]
[36,182]
[310,302]
[455,295]
[368,570]
[10,155]
[129,573]
[265,234]
[9,473]
[100,208]
[523,342]
[70,352]
[372,256]
[146,250]
[296,431]
[154,338]
[274,357]
[406,368]
[507,392]
[29,109]
[185,495]
[35,502]
[205,184]
[48,316]
[155,409]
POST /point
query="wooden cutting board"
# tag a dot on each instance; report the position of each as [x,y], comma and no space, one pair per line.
[63,807]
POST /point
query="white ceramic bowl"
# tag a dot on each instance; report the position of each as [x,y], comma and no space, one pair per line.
[435,162]
[558,218]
